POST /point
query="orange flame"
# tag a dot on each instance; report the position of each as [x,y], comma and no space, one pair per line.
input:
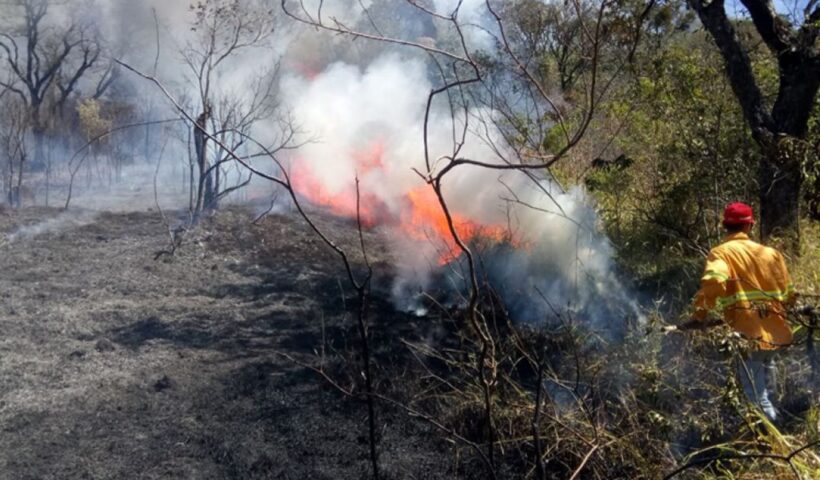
[343,203]
[421,217]
[425,220]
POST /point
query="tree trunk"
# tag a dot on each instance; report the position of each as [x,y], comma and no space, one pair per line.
[48,175]
[813,199]
[38,162]
[210,198]
[205,185]
[780,133]
[17,200]
[215,192]
[780,179]
[38,133]
[202,163]
[191,187]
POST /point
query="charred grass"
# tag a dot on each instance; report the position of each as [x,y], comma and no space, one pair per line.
[118,366]
[214,363]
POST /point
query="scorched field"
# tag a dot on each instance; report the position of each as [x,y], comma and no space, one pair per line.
[116,365]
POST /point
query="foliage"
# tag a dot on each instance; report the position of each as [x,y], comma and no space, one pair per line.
[689,154]
[805,271]
[811,167]
[92,122]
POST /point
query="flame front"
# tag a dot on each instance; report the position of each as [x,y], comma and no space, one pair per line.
[420,216]
[425,220]
[371,209]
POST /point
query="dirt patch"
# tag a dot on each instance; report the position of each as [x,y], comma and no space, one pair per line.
[118,366]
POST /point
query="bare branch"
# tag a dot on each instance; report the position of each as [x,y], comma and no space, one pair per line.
[338,27]
[92,141]
[773,29]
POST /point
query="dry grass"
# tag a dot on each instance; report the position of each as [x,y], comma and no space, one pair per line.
[643,408]
[194,390]
[805,270]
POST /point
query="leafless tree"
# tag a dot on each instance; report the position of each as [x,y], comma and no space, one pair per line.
[233,122]
[78,159]
[46,62]
[223,29]
[14,126]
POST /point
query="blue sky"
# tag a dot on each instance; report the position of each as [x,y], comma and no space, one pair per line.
[788,7]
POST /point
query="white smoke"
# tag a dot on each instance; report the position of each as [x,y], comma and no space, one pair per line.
[559,260]
[64,221]
[366,117]
[478,26]
[349,110]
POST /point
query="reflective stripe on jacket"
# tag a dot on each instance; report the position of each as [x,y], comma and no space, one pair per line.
[749,283]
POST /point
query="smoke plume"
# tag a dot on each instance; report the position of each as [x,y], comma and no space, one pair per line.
[360,109]
[546,254]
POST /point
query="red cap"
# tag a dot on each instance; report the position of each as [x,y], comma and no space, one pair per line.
[738,214]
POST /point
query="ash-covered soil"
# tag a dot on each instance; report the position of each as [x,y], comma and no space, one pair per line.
[115,365]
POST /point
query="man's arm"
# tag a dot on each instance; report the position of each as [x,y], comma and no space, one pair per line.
[712,287]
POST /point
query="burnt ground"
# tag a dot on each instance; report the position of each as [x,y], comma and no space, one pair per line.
[115,365]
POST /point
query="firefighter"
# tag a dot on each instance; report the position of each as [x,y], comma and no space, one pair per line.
[748,283]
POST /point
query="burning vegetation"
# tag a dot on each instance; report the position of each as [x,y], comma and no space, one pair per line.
[396,239]
[417,216]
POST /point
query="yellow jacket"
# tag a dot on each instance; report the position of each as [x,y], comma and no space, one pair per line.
[749,283]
